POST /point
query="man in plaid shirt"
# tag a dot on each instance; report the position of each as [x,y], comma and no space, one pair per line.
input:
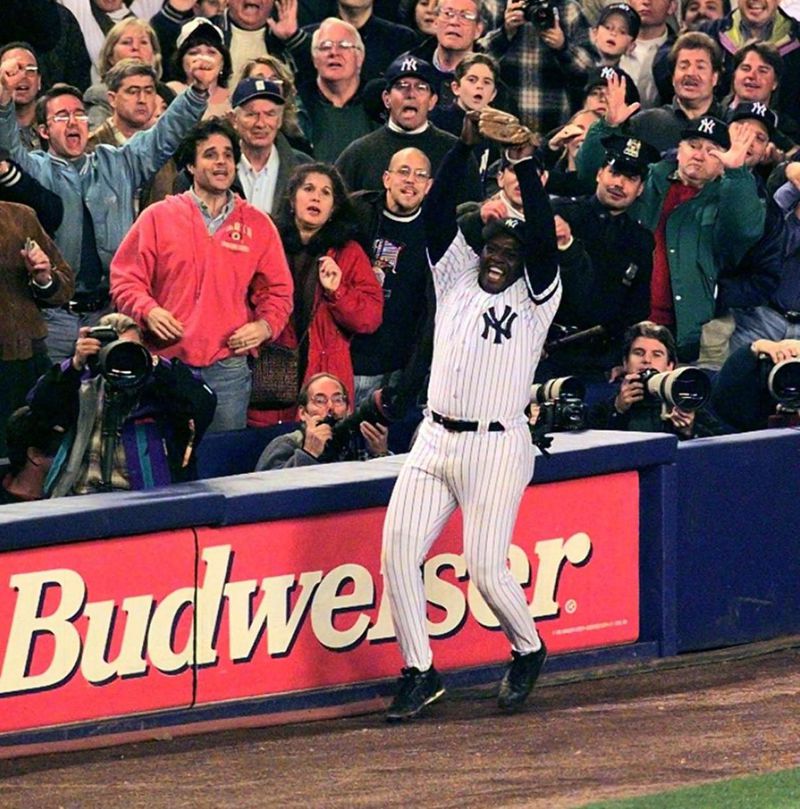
[546,65]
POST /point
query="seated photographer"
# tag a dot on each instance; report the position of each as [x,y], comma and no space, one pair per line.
[32,443]
[132,420]
[326,433]
[758,386]
[650,349]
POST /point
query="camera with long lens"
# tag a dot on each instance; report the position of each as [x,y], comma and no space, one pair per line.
[561,405]
[686,388]
[541,13]
[125,365]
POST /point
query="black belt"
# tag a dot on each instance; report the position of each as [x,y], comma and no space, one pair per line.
[459,426]
[91,303]
[791,315]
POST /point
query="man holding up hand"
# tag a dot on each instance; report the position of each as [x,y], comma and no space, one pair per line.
[97,188]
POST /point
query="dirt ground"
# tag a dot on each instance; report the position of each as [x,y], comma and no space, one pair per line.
[586,736]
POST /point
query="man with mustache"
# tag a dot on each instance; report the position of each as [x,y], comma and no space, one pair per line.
[606,260]
[695,61]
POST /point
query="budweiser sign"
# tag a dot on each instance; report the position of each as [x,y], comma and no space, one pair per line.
[141,623]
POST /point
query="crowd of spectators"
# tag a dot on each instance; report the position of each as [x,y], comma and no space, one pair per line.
[228,175]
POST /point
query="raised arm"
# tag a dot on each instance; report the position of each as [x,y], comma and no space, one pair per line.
[439,208]
[541,248]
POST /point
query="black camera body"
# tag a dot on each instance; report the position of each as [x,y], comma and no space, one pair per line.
[125,365]
[687,388]
[566,414]
[541,13]
[561,405]
[346,429]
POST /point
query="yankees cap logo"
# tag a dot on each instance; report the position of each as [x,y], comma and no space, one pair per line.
[501,325]
[759,109]
[408,64]
[607,72]
[706,125]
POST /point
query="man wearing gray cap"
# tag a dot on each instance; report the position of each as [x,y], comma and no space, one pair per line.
[703,208]
[268,159]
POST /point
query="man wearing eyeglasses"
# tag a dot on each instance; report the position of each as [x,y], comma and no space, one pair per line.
[26,92]
[458,26]
[332,97]
[392,224]
[97,189]
[322,404]
[409,97]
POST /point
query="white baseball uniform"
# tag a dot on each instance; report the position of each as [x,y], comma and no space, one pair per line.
[486,348]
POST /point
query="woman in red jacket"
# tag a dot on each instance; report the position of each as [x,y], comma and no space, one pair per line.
[336,293]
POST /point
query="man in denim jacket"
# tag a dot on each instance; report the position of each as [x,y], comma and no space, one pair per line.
[97,189]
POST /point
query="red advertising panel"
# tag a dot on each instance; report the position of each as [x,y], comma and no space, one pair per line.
[298,604]
[113,627]
[96,629]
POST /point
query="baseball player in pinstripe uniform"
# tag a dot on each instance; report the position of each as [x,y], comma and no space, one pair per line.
[474,447]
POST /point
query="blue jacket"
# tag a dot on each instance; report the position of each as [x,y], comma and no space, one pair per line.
[105,180]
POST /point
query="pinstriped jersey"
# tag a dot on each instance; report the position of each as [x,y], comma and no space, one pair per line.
[486,346]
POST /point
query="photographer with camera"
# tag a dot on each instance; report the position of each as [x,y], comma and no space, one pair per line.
[132,420]
[758,386]
[666,404]
[545,54]
[327,431]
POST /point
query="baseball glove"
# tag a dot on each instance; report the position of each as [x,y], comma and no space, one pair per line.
[503,127]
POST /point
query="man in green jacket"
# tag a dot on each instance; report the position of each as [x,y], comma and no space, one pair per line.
[703,208]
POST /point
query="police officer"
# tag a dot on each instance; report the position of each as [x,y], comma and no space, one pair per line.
[606,263]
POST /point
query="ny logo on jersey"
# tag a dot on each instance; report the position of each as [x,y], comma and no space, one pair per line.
[501,325]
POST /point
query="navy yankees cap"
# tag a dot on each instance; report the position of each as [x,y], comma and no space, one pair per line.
[405,66]
[248,89]
[598,77]
[629,156]
[757,111]
[710,128]
[510,225]
[632,18]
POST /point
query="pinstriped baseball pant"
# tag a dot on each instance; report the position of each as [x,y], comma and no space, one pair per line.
[485,474]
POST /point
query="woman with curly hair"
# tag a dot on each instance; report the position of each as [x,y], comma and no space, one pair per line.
[336,293]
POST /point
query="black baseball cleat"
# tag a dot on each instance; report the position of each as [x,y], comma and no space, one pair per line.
[416,689]
[519,679]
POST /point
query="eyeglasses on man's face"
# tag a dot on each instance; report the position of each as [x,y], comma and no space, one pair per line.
[406,86]
[327,45]
[407,173]
[453,14]
[80,117]
[321,400]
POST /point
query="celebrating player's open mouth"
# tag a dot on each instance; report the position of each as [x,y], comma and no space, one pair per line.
[500,263]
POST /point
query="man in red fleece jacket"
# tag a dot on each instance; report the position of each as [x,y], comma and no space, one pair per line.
[205,274]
